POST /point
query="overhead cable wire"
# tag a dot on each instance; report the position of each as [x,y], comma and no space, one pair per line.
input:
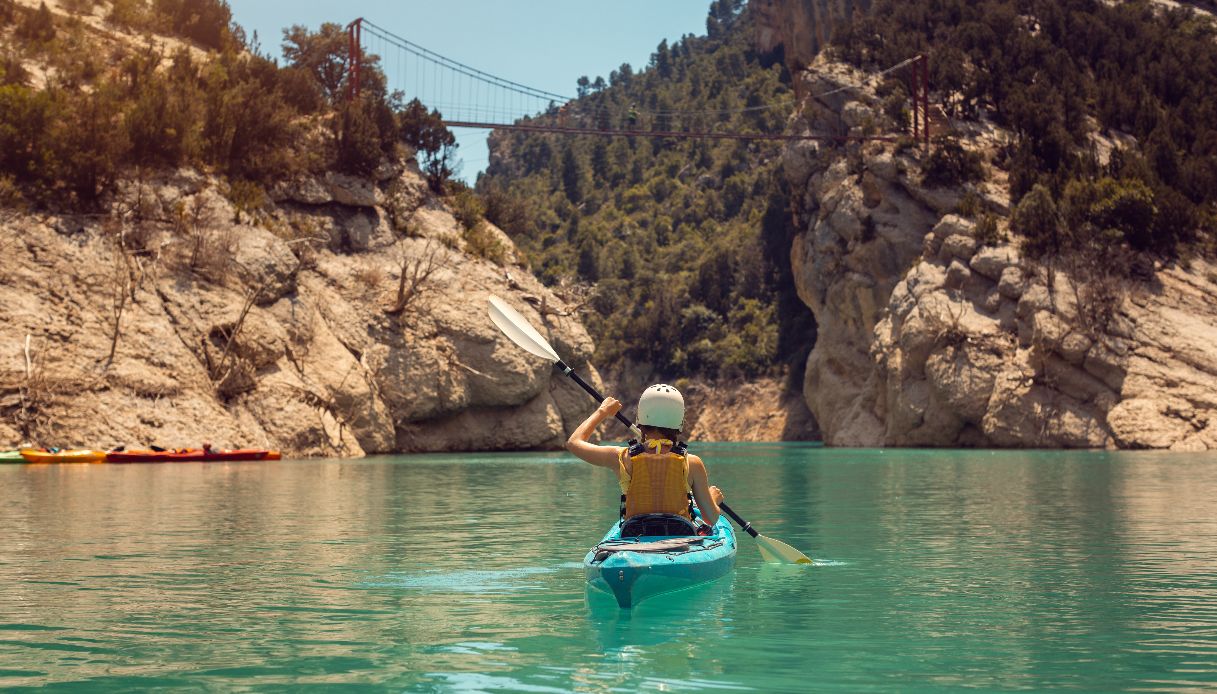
[407,45]
[519,90]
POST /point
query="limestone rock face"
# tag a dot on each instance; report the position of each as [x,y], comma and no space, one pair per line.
[281,331]
[931,336]
[799,27]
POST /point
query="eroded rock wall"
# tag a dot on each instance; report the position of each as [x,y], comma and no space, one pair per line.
[800,28]
[932,336]
[277,333]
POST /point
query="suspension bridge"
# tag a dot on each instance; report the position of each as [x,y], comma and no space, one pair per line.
[471,98]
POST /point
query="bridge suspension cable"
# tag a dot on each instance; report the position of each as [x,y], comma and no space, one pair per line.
[468,97]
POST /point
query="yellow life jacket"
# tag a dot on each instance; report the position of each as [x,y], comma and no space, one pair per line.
[656,482]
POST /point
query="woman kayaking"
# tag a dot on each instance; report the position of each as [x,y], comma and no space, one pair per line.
[656,475]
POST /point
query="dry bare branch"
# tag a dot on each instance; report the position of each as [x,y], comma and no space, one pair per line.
[121,291]
[415,275]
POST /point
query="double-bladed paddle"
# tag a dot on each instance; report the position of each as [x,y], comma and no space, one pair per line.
[520,331]
[773,551]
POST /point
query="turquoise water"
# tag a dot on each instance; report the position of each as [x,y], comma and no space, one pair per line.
[938,570]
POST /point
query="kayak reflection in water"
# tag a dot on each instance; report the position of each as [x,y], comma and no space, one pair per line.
[658,474]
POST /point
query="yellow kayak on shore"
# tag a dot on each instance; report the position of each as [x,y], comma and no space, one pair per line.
[34,455]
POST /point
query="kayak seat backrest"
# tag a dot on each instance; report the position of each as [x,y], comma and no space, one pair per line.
[658,524]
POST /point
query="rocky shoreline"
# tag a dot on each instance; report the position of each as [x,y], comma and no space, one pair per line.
[278,327]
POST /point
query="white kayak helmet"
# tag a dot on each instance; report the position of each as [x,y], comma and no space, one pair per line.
[662,406]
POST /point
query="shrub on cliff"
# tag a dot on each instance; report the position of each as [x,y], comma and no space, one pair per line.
[128,13]
[1107,211]
[950,164]
[1037,220]
[91,146]
[37,26]
[249,127]
[469,211]
[322,54]
[206,21]
[11,70]
[163,123]
[425,131]
[60,150]
[1050,71]
[26,118]
[358,141]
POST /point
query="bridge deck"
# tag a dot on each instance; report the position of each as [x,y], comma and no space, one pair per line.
[682,134]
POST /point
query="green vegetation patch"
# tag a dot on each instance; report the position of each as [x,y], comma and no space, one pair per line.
[232,110]
[686,240]
[1057,73]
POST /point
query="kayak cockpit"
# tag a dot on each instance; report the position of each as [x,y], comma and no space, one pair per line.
[658,525]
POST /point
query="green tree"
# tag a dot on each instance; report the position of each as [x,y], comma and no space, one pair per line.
[26,121]
[11,70]
[90,143]
[426,133]
[950,163]
[164,125]
[38,26]
[322,53]
[572,176]
[1037,220]
[662,60]
[128,13]
[206,21]
[249,127]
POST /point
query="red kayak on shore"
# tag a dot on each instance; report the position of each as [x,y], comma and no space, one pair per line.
[191,455]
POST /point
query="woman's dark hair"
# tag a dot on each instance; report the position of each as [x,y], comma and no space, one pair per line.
[650,432]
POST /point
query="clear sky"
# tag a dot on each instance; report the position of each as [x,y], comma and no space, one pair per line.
[546,44]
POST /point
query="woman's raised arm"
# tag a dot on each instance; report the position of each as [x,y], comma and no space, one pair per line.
[604,456]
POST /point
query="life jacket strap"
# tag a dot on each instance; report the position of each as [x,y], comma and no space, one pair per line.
[637,447]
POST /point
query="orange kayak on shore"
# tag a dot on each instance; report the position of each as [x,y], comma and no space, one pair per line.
[191,455]
[55,455]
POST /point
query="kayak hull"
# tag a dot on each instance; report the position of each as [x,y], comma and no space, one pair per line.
[632,577]
[67,456]
[11,457]
[190,455]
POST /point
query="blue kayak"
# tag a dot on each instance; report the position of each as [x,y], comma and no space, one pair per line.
[633,569]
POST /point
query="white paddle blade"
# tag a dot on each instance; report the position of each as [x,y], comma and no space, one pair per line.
[518,330]
[778,552]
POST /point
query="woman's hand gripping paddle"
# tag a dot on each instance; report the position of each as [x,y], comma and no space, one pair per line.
[520,331]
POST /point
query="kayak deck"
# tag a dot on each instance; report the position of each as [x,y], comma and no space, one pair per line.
[190,455]
[81,455]
[633,569]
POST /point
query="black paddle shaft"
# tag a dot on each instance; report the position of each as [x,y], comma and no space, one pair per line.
[591,391]
[747,527]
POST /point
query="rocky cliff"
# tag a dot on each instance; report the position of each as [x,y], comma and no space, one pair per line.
[800,28]
[932,334]
[343,316]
